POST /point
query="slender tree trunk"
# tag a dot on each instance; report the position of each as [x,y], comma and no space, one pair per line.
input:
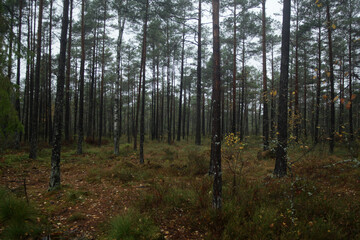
[198,84]
[281,151]
[118,90]
[102,78]
[297,112]
[318,85]
[332,90]
[82,70]
[56,151]
[265,92]
[49,111]
[304,117]
[35,115]
[216,98]
[351,128]
[68,70]
[242,102]
[17,103]
[142,119]
[76,99]
[181,84]
[273,96]
[233,124]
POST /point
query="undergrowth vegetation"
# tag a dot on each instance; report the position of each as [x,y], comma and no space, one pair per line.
[18,220]
[169,196]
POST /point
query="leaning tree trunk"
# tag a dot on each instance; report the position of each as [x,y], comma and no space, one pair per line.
[281,152]
[216,98]
[55,155]
[35,113]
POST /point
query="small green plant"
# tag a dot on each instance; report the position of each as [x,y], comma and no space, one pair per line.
[76,195]
[18,219]
[76,216]
[198,161]
[133,226]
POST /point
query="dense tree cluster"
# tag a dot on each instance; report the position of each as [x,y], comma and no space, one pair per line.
[124,69]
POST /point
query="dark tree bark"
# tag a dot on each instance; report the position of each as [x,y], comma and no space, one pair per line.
[82,71]
[50,127]
[142,118]
[56,151]
[91,116]
[332,90]
[318,84]
[281,152]
[102,79]
[265,92]
[216,98]
[297,112]
[233,123]
[35,114]
[304,117]
[17,103]
[68,68]
[181,84]
[351,127]
[198,84]
[118,85]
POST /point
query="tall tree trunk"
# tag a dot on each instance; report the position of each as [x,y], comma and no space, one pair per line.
[34,117]
[216,98]
[142,118]
[265,92]
[332,90]
[82,71]
[273,96]
[318,85]
[181,84]
[281,150]
[198,84]
[297,112]
[242,102]
[351,128]
[49,111]
[76,99]
[233,123]
[102,78]
[118,90]
[68,70]
[56,151]
[17,103]
[304,117]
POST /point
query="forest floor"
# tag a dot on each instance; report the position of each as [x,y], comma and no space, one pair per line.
[169,197]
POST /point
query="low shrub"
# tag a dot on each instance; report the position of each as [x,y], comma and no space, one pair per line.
[133,226]
[18,219]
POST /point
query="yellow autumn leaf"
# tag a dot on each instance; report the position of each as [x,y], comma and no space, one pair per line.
[328,74]
[317,1]
[314,77]
[336,98]
[333,26]
[319,4]
[316,69]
